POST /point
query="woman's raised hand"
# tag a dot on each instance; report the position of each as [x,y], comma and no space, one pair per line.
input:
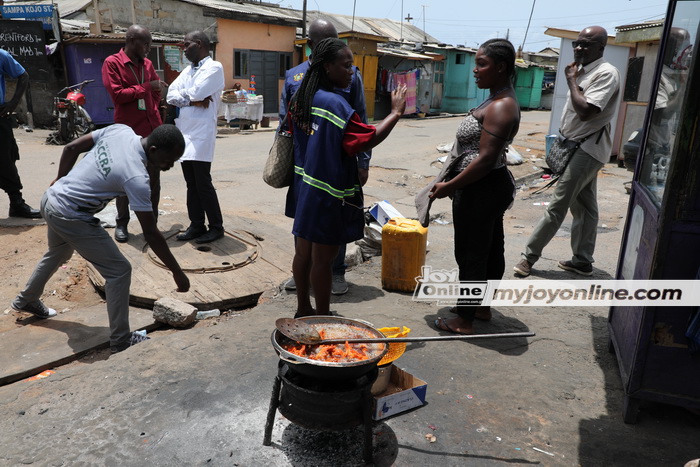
[398,99]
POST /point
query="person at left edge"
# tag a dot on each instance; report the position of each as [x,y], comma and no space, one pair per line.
[135,89]
[9,152]
[115,164]
[197,93]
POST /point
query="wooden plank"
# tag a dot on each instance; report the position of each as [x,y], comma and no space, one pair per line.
[228,273]
[41,344]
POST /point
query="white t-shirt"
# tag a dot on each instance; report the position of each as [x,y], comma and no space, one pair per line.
[115,166]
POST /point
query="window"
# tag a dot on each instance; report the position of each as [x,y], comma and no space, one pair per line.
[241,60]
[285,63]
[460,59]
[155,55]
[634,78]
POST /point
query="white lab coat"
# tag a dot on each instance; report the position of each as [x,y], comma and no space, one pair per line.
[198,125]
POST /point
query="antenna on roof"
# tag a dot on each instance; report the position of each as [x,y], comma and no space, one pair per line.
[528,27]
[354,4]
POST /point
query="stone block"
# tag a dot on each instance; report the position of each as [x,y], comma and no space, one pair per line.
[174,312]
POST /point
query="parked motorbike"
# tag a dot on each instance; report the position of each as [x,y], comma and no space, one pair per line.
[72,120]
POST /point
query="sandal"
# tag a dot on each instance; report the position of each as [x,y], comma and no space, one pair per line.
[441,325]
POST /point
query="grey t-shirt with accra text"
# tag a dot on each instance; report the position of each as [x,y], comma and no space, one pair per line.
[115,166]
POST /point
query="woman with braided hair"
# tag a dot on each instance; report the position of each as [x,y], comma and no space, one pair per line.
[325,199]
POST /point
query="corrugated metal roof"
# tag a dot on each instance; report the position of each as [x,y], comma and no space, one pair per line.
[251,9]
[645,25]
[407,54]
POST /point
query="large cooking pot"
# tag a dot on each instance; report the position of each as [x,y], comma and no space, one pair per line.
[335,326]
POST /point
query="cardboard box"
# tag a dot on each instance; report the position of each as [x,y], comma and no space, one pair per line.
[404,392]
[383,211]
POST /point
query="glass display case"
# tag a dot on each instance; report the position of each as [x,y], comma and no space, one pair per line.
[675,65]
[661,239]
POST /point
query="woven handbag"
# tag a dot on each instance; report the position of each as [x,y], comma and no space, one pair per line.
[279,167]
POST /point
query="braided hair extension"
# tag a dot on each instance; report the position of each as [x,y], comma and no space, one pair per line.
[501,51]
[300,105]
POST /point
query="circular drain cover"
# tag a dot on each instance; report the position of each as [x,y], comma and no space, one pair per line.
[234,250]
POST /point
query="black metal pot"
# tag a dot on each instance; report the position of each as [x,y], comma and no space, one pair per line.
[332,370]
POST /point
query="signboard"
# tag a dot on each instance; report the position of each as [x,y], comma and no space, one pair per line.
[24,40]
[173,57]
[43,13]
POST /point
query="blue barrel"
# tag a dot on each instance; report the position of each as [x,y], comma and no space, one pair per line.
[549,139]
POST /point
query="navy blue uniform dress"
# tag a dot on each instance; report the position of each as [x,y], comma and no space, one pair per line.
[325,198]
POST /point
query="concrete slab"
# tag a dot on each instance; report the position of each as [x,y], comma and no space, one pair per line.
[40,344]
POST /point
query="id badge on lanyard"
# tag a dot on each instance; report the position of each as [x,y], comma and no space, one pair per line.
[141,103]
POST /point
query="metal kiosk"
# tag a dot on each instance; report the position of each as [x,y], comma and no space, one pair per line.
[662,232]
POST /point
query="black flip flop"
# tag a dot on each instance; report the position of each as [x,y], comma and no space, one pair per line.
[447,328]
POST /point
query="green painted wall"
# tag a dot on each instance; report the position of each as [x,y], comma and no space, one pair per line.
[460,93]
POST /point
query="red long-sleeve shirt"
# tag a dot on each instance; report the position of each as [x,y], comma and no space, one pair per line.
[127,82]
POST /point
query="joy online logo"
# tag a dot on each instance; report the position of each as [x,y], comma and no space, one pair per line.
[445,288]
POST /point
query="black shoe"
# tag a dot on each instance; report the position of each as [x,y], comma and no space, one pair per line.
[192,232]
[121,234]
[37,308]
[214,233]
[24,210]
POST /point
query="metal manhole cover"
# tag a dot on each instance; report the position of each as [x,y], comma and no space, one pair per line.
[235,250]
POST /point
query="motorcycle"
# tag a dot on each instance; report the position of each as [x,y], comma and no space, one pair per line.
[72,120]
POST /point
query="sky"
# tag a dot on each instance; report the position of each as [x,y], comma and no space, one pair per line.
[465,22]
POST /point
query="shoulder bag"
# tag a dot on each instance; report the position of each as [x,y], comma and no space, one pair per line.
[560,153]
[279,167]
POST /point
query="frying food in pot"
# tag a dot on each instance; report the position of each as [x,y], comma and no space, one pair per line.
[341,353]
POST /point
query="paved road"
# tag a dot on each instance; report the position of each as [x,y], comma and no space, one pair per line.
[199,397]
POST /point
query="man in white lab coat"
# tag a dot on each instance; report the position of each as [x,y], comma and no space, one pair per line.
[197,94]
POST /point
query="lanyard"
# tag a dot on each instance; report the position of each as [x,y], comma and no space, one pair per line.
[131,67]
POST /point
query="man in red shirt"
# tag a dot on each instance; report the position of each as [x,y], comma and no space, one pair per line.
[135,88]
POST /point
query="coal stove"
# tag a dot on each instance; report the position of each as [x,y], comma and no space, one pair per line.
[320,404]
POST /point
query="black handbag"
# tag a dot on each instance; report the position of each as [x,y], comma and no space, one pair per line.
[560,153]
[279,167]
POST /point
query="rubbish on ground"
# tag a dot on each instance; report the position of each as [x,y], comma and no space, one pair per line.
[543,452]
[383,211]
[469,396]
[513,157]
[42,375]
[208,314]
[546,176]
[430,437]
[545,203]
[446,147]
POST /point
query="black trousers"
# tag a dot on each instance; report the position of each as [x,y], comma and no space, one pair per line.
[477,211]
[201,195]
[122,202]
[9,155]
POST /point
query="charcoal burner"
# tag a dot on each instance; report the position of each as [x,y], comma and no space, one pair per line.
[319,404]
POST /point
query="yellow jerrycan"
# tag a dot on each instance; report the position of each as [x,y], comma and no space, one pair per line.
[404,243]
